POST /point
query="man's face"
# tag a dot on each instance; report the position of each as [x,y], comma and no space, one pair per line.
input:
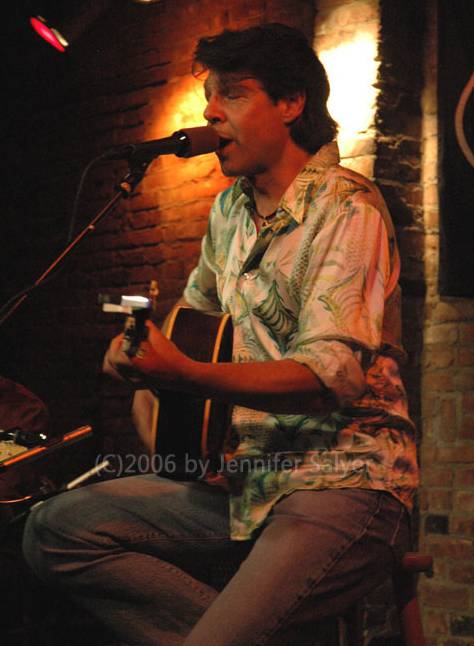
[251,126]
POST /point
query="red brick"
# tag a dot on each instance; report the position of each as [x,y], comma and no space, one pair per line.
[468,402]
[464,501]
[464,379]
[115,277]
[455,548]
[448,420]
[156,255]
[462,526]
[143,274]
[428,453]
[438,356]
[142,238]
[170,269]
[462,573]
[412,243]
[439,499]
[445,596]
[423,499]
[436,476]
[466,432]
[445,312]
[459,454]
[440,570]
[428,447]
[187,230]
[466,356]
[464,477]
[435,622]
[189,250]
[430,403]
[143,220]
[466,332]
[440,380]
[445,333]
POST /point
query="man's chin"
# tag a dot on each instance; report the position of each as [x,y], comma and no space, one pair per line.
[227,169]
[236,169]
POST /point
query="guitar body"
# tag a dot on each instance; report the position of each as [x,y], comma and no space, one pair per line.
[190,432]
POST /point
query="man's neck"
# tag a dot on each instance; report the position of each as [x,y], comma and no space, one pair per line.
[270,185]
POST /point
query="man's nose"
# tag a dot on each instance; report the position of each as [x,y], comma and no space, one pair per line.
[213,112]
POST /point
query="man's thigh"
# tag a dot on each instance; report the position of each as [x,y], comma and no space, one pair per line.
[183,523]
[319,552]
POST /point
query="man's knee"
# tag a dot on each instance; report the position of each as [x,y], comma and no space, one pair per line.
[51,532]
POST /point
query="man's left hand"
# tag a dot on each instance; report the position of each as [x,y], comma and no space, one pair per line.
[157,363]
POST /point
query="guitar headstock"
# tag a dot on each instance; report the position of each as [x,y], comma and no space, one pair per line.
[138,309]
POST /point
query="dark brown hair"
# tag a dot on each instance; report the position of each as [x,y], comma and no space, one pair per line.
[283,61]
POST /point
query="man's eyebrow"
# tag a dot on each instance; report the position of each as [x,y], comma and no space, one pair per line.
[229,81]
[225,86]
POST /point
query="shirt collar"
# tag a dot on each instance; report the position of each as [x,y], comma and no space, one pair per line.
[295,199]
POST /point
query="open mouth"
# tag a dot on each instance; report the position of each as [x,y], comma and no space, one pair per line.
[223,142]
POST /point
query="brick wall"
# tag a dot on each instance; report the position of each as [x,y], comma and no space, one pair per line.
[399,149]
[447,406]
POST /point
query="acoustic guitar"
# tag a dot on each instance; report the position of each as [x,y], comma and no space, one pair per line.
[190,432]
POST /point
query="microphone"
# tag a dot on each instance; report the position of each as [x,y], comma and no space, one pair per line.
[187,142]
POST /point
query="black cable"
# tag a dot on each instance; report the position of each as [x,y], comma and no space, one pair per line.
[75,206]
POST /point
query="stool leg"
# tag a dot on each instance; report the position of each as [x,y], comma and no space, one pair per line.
[408,609]
[351,627]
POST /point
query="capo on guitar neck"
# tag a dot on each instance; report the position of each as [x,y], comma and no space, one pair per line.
[138,309]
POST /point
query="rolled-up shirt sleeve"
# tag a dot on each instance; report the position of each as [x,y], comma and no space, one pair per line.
[343,294]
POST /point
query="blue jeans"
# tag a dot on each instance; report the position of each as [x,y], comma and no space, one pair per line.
[143,554]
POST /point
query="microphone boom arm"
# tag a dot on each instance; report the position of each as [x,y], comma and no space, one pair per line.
[187,142]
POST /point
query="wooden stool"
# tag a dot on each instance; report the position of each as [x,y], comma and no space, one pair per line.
[404,584]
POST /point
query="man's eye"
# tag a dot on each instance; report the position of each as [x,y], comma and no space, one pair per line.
[232,93]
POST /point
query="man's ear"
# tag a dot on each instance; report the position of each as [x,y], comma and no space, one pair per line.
[291,107]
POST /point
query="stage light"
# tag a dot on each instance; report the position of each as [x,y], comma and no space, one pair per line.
[60,23]
[49,34]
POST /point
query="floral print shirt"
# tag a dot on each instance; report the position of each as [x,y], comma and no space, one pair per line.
[319,286]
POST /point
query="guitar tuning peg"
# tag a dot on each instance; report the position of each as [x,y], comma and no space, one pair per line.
[153,293]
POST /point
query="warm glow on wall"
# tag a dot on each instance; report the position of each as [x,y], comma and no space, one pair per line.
[352,71]
[188,106]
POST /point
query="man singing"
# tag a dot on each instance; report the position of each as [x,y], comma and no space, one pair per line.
[301,252]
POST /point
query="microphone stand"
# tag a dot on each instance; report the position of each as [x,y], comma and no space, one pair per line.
[139,163]
[36,499]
